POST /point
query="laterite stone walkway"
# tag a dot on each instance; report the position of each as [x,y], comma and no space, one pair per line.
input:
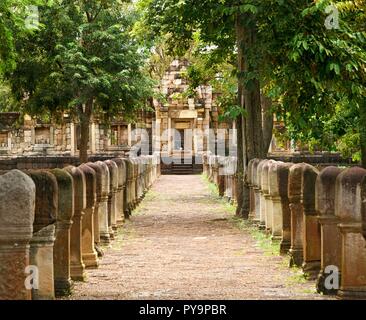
[182,243]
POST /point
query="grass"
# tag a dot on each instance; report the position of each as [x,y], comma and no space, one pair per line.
[227,206]
[149,196]
[263,240]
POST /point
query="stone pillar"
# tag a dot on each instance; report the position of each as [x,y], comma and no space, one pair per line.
[134,183]
[234,168]
[297,214]
[150,172]
[256,190]
[232,172]
[146,161]
[17,204]
[267,198]
[77,266]
[113,187]
[144,176]
[61,249]
[251,188]
[205,164]
[262,200]
[350,208]
[89,255]
[216,170]
[72,140]
[142,180]
[99,187]
[283,171]
[120,190]
[103,205]
[127,182]
[275,198]
[93,138]
[311,237]
[139,179]
[41,245]
[222,176]
[129,173]
[331,239]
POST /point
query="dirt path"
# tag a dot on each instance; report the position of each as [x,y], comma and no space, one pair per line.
[182,244]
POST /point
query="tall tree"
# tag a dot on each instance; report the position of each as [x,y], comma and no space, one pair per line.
[285,51]
[83,61]
[230,25]
[14,15]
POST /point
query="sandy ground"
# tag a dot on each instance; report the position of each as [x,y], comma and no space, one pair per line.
[182,243]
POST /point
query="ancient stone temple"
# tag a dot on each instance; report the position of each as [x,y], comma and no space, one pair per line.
[182,128]
[27,136]
[183,122]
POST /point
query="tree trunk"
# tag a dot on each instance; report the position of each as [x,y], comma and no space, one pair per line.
[240,131]
[267,122]
[84,117]
[362,130]
[240,167]
[249,96]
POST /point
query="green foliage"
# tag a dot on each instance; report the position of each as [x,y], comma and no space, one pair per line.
[7,102]
[305,68]
[84,52]
[13,14]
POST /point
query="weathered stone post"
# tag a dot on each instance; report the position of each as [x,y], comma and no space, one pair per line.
[61,249]
[126,185]
[90,256]
[128,190]
[132,190]
[209,168]
[151,171]
[212,168]
[120,190]
[297,214]
[266,195]
[222,177]
[113,187]
[233,168]
[257,206]
[145,162]
[274,194]
[251,189]
[216,170]
[77,266]
[103,205]
[140,179]
[283,171]
[311,237]
[262,200]
[144,175]
[17,204]
[205,164]
[41,245]
[350,190]
[331,239]
[135,182]
[99,188]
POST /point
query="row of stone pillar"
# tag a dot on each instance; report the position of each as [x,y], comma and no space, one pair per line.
[317,214]
[222,172]
[53,222]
